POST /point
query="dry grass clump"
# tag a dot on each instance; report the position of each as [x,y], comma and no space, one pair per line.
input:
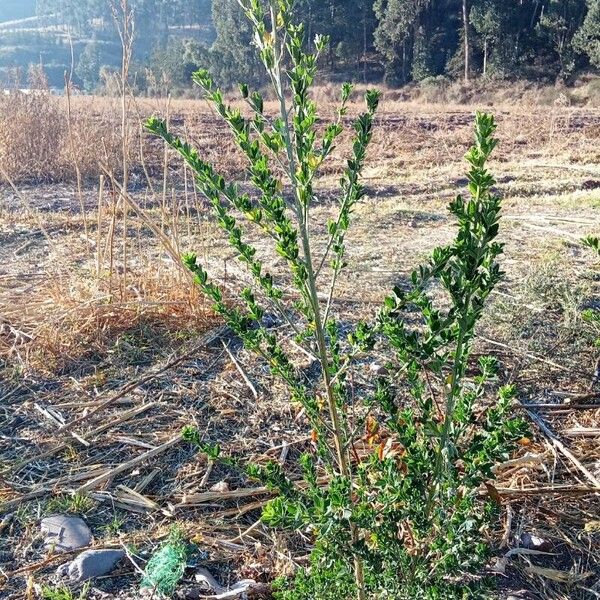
[46,138]
[31,132]
[93,139]
[68,324]
[84,286]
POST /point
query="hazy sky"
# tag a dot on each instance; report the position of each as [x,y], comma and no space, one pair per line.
[16,9]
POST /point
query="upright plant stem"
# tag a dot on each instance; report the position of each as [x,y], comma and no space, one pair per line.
[124,23]
[342,452]
[126,48]
[442,452]
[68,84]
[459,359]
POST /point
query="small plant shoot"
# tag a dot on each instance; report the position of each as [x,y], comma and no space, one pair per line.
[592,315]
[395,490]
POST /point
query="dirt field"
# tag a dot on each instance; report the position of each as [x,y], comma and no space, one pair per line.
[99,329]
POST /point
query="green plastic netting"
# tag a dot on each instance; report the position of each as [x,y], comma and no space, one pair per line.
[165,568]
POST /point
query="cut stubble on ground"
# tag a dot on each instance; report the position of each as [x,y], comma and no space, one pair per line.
[74,336]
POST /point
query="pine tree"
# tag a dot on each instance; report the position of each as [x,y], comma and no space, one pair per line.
[398,22]
[233,56]
[558,26]
[587,39]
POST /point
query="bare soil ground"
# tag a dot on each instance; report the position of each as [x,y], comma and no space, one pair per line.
[124,351]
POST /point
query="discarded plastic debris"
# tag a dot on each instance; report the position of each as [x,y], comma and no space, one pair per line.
[220,593]
[165,568]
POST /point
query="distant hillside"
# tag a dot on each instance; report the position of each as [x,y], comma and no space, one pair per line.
[11,10]
[52,33]
[27,39]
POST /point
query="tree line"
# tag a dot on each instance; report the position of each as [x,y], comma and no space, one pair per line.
[397,41]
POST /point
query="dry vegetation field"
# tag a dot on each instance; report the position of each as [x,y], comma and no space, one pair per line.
[107,351]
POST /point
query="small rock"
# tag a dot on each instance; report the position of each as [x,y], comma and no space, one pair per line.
[378,369]
[220,486]
[65,533]
[534,542]
[91,563]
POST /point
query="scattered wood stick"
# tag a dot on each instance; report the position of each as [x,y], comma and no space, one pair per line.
[132,442]
[567,490]
[49,486]
[563,449]
[241,371]
[241,510]
[209,467]
[204,497]
[564,407]
[127,495]
[528,459]
[243,534]
[69,479]
[527,354]
[124,417]
[284,452]
[94,483]
[582,432]
[47,413]
[132,560]
[147,480]
[132,385]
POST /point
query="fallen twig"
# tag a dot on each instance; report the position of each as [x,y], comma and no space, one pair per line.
[241,370]
[582,432]
[204,497]
[568,490]
[48,414]
[121,419]
[129,464]
[204,340]
[565,407]
[563,449]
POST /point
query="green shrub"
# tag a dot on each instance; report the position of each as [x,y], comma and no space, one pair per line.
[64,593]
[591,315]
[392,490]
